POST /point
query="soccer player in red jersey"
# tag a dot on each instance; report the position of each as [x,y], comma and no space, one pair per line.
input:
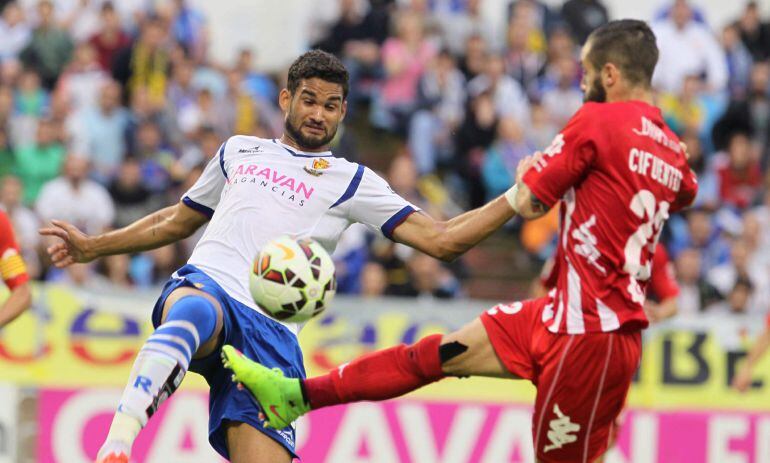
[619,172]
[14,274]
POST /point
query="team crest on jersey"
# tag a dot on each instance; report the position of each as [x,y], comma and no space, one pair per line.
[317,166]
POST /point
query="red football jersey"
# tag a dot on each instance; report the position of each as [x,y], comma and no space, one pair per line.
[12,268]
[619,171]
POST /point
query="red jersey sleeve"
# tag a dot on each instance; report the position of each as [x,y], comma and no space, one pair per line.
[566,160]
[12,267]
[662,280]
[687,191]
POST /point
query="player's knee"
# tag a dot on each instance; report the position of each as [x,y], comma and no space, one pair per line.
[197,311]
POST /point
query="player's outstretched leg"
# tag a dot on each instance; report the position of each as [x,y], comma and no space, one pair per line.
[158,370]
[379,375]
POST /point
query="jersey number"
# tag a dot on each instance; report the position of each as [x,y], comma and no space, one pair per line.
[643,205]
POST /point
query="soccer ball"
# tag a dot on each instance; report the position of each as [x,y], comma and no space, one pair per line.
[292,280]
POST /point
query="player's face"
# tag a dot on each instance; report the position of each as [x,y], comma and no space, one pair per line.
[592,87]
[313,113]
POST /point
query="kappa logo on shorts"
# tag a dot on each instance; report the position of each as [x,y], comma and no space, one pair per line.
[561,432]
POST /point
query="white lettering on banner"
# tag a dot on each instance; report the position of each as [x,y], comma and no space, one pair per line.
[513,430]
[363,423]
[421,440]
[723,429]
[8,423]
[762,439]
[182,423]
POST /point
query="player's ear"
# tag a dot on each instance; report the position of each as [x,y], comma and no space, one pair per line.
[344,109]
[284,100]
[610,75]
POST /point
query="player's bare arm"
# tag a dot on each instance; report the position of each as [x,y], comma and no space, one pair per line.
[526,203]
[19,301]
[742,381]
[446,240]
[155,230]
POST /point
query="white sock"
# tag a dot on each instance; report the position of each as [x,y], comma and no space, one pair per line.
[158,371]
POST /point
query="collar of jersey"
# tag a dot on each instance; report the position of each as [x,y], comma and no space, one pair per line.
[302,154]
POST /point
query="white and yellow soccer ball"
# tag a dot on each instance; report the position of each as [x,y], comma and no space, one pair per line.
[292,280]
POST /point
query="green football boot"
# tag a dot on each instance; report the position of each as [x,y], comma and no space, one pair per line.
[279,397]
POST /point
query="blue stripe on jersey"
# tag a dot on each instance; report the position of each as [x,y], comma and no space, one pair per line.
[295,154]
[222,159]
[205,210]
[397,219]
[354,183]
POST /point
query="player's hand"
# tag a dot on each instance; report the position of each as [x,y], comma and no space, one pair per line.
[683,145]
[742,380]
[526,164]
[74,247]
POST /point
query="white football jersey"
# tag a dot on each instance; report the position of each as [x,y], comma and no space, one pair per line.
[257,189]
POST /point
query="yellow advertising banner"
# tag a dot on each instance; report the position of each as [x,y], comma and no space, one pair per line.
[75,338]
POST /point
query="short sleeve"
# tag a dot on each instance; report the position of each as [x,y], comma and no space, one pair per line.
[375,204]
[12,267]
[204,195]
[687,192]
[662,279]
[565,161]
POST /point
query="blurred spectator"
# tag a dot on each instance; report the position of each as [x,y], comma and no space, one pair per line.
[144,64]
[687,48]
[31,99]
[39,162]
[110,38]
[404,58]
[74,198]
[560,90]
[536,14]
[500,161]
[7,157]
[750,114]
[739,175]
[754,33]
[50,47]
[82,21]
[155,160]
[522,61]
[25,222]
[15,32]
[458,26]
[743,265]
[258,85]
[238,112]
[132,199]
[583,16]
[100,131]
[738,301]
[692,109]
[509,99]
[374,280]
[541,129]
[430,278]
[188,27]
[473,137]
[474,59]
[703,235]
[80,78]
[441,100]
[692,288]
[739,61]
[350,257]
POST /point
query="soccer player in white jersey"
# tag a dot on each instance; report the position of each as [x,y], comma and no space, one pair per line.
[254,190]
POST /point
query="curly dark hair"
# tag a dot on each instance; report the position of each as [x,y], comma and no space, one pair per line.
[320,64]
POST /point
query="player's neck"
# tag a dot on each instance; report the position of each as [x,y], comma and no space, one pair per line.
[287,140]
[631,94]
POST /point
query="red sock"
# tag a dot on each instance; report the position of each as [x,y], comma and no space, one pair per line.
[380,375]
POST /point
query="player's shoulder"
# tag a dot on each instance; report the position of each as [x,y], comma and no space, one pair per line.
[245,144]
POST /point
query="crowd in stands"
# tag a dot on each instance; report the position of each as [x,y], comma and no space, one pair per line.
[109,110]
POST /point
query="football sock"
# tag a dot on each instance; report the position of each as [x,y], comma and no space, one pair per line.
[159,368]
[378,375]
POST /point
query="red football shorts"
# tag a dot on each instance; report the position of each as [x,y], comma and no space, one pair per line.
[581,379]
